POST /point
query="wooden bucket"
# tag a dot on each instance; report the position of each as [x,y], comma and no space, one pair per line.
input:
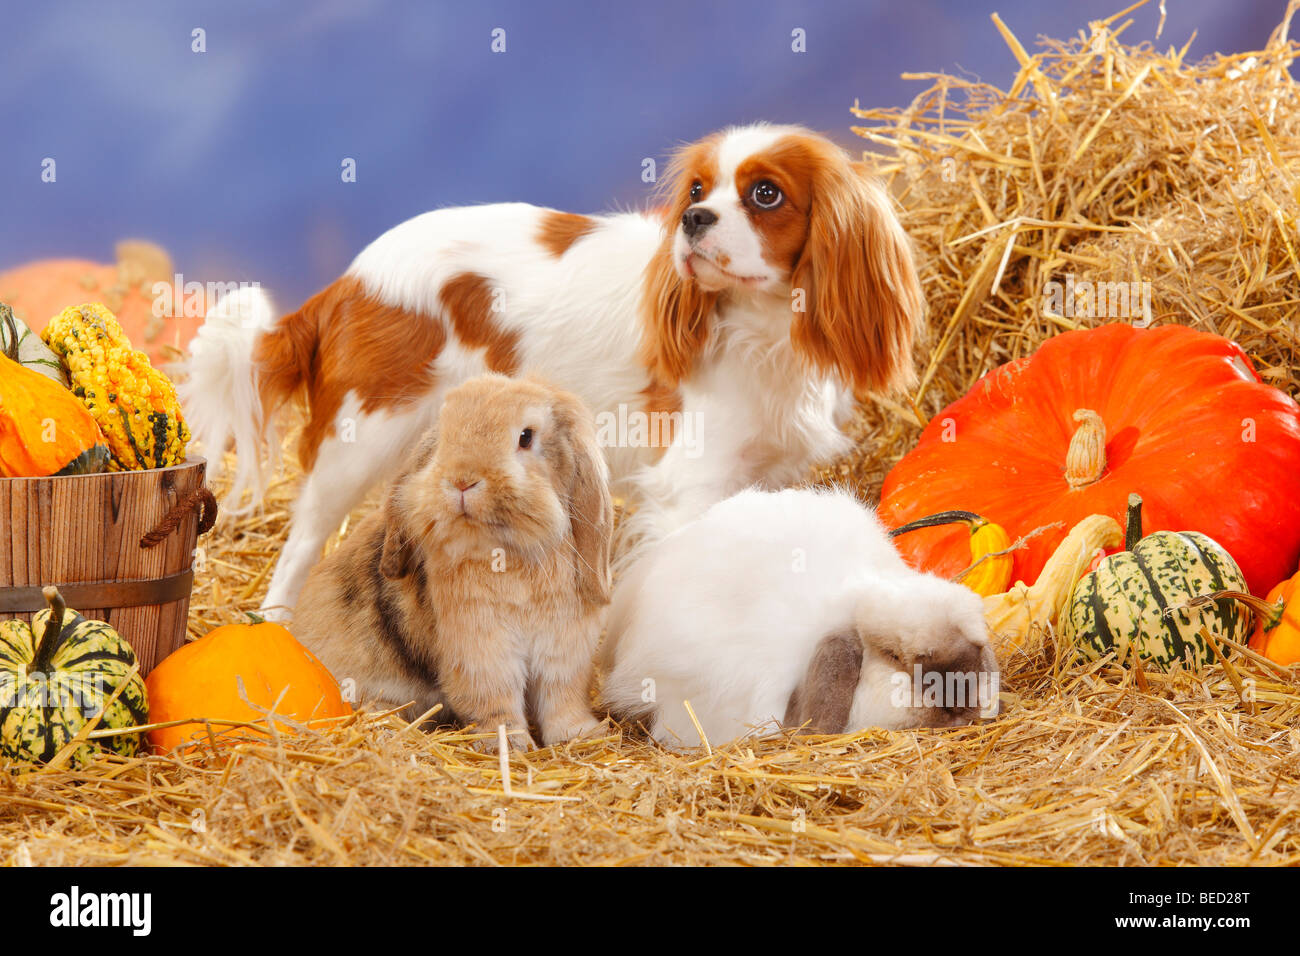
[118,545]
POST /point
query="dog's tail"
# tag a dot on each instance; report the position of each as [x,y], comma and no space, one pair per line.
[244,365]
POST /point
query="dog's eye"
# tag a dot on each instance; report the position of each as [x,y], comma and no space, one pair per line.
[766,195]
[526,438]
[697,191]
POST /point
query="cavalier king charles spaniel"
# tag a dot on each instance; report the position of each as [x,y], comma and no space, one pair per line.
[720,339]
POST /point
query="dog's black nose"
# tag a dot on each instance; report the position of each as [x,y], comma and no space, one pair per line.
[696,219]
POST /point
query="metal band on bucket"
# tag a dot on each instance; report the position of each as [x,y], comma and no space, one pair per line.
[103,594]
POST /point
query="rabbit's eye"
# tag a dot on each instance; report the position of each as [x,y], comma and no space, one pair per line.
[892,658]
[526,438]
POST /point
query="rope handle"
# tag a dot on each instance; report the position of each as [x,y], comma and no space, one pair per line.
[201,500]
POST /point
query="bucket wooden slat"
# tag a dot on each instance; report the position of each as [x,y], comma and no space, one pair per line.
[86,529]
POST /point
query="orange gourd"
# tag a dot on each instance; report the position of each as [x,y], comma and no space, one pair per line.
[1277,633]
[202,680]
[1277,620]
[44,429]
[39,290]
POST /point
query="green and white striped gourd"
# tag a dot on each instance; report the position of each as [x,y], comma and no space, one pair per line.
[25,347]
[1122,605]
[54,679]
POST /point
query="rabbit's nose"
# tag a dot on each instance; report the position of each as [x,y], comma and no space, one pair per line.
[464,484]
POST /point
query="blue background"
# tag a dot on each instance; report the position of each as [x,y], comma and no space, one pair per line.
[231,158]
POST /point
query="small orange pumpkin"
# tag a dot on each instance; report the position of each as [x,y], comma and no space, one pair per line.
[1277,633]
[1277,619]
[44,429]
[39,290]
[202,680]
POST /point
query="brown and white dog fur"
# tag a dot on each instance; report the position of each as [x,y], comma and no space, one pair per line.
[482,583]
[777,286]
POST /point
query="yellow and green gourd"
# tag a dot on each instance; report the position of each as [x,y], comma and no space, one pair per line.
[1134,602]
[989,571]
[54,678]
[134,404]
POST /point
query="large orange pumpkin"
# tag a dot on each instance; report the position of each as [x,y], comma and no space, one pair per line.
[39,290]
[202,679]
[1175,415]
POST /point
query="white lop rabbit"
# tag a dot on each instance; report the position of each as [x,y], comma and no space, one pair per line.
[793,608]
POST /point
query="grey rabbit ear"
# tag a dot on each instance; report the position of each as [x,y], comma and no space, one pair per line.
[822,701]
[398,558]
[591,509]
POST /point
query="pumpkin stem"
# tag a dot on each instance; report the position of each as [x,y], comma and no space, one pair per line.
[11,345]
[1133,524]
[1085,460]
[968,518]
[1269,614]
[254,618]
[49,642]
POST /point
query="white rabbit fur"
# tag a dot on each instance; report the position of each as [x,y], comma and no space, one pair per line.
[729,611]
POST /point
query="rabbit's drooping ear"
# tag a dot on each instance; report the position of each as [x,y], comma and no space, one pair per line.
[399,557]
[591,509]
[824,698]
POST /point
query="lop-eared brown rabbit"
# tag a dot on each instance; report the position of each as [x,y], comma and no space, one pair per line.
[482,583]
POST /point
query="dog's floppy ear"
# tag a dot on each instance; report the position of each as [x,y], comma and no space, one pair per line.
[822,701]
[399,558]
[862,304]
[591,509]
[676,311]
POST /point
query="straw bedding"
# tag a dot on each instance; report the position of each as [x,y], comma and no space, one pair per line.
[1106,160]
